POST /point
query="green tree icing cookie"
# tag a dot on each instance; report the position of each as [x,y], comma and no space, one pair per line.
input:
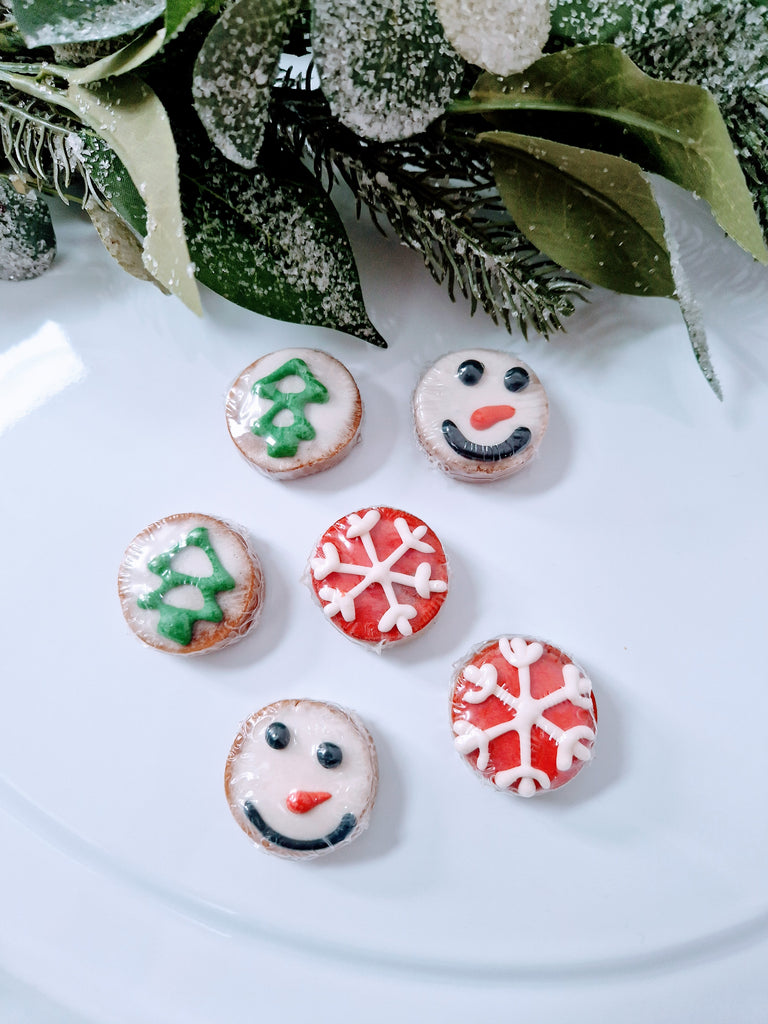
[176,623]
[283,441]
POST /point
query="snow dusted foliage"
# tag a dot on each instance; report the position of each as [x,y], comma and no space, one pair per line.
[43,22]
[720,46]
[385,65]
[234,72]
[503,37]
[271,241]
[27,241]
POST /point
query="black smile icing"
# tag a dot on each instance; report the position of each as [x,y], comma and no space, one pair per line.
[515,443]
[338,835]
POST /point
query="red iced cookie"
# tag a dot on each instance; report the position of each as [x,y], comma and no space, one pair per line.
[380,575]
[523,714]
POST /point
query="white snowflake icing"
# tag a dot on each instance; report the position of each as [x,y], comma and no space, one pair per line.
[398,614]
[528,712]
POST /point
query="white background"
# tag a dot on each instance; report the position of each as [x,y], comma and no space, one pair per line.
[635,541]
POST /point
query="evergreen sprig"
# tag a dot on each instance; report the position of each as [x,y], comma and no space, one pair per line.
[42,147]
[436,190]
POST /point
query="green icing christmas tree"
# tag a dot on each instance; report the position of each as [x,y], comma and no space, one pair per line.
[177,623]
[283,441]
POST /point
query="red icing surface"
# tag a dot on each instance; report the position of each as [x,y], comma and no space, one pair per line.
[546,677]
[372,603]
[489,415]
[301,800]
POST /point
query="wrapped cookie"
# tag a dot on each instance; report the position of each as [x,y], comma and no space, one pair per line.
[294,412]
[479,414]
[190,584]
[301,778]
[523,714]
[380,575]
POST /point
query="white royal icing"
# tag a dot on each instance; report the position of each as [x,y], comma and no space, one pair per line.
[266,777]
[381,571]
[440,396]
[334,421]
[529,712]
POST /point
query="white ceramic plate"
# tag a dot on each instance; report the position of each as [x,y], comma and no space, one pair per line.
[636,541]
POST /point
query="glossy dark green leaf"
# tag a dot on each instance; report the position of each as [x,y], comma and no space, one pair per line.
[129,57]
[234,71]
[271,241]
[677,128]
[113,181]
[27,239]
[386,69]
[43,22]
[592,213]
[178,13]
[592,20]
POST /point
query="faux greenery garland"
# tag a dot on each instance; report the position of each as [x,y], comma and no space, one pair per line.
[200,154]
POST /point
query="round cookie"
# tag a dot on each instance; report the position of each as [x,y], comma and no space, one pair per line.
[380,575]
[480,414]
[301,778]
[294,412]
[190,584]
[523,714]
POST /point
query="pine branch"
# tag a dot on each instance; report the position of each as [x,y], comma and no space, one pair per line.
[44,148]
[438,195]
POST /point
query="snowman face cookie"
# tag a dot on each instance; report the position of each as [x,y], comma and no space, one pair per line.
[480,414]
[301,777]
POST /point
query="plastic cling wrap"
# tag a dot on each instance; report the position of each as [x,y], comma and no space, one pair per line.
[190,584]
[523,714]
[380,575]
[301,778]
[294,412]
[480,414]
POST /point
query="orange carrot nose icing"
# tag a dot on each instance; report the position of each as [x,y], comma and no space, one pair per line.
[488,415]
[300,801]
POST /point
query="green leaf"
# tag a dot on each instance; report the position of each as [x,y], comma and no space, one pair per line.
[234,70]
[43,22]
[678,127]
[584,19]
[11,40]
[178,13]
[129,117]
[386,69]
[271,241]
[113,181]
[590,212]
[128,58]
[27,239]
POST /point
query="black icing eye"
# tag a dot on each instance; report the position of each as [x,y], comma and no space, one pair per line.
[470,372]
[516,379]
[329,755]
[278,736]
